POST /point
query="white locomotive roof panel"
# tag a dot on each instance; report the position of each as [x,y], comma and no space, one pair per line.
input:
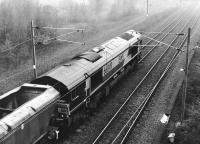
[72,73]
[114,43]
[108,54]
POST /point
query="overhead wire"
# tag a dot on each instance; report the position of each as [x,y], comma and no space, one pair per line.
[13,47]
[70,41]
[160,33]
[159,41]
[54,38]
[18,73]
[55,28]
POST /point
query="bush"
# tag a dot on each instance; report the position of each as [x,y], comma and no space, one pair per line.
[189,132]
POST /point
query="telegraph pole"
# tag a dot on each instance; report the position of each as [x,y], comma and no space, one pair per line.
[186,76]
[33,46]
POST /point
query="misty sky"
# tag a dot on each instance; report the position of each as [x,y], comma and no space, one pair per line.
[56,2]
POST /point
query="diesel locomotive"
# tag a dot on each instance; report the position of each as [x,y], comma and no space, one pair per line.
[55,100]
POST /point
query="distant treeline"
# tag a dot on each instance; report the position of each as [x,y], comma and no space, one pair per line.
[15,15]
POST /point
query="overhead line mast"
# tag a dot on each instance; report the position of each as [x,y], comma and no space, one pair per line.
[34,53]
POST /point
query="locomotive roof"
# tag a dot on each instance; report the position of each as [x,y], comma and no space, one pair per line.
[73,72]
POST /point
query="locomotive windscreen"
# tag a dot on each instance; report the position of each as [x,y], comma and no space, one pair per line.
[126,36]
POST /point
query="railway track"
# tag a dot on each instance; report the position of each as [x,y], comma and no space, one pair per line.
[125,112]
[90,129]
[154,108]
[160,36]
[164,29]
[135,117]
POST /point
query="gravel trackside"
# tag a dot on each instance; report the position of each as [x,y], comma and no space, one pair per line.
[192,77]
[87,131]
[151,130]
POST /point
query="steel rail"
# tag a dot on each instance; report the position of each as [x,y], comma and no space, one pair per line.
[159,33]
[147,99]
[145,77]
[159,40]
[145,102]
[130,96]
[142,107]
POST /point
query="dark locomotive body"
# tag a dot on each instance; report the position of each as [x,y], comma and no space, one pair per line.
[55,100]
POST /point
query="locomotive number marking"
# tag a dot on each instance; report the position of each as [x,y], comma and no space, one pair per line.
[109,66]
[121,57]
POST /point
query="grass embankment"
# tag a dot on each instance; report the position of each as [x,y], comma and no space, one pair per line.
[189,131]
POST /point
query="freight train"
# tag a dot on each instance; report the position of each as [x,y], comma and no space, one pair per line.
[56,100]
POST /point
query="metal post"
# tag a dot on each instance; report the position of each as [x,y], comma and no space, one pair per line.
[34,53]
[147,7]
[186,75]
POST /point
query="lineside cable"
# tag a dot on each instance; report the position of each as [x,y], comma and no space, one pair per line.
[28,69]
[13,47]
[160,42]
